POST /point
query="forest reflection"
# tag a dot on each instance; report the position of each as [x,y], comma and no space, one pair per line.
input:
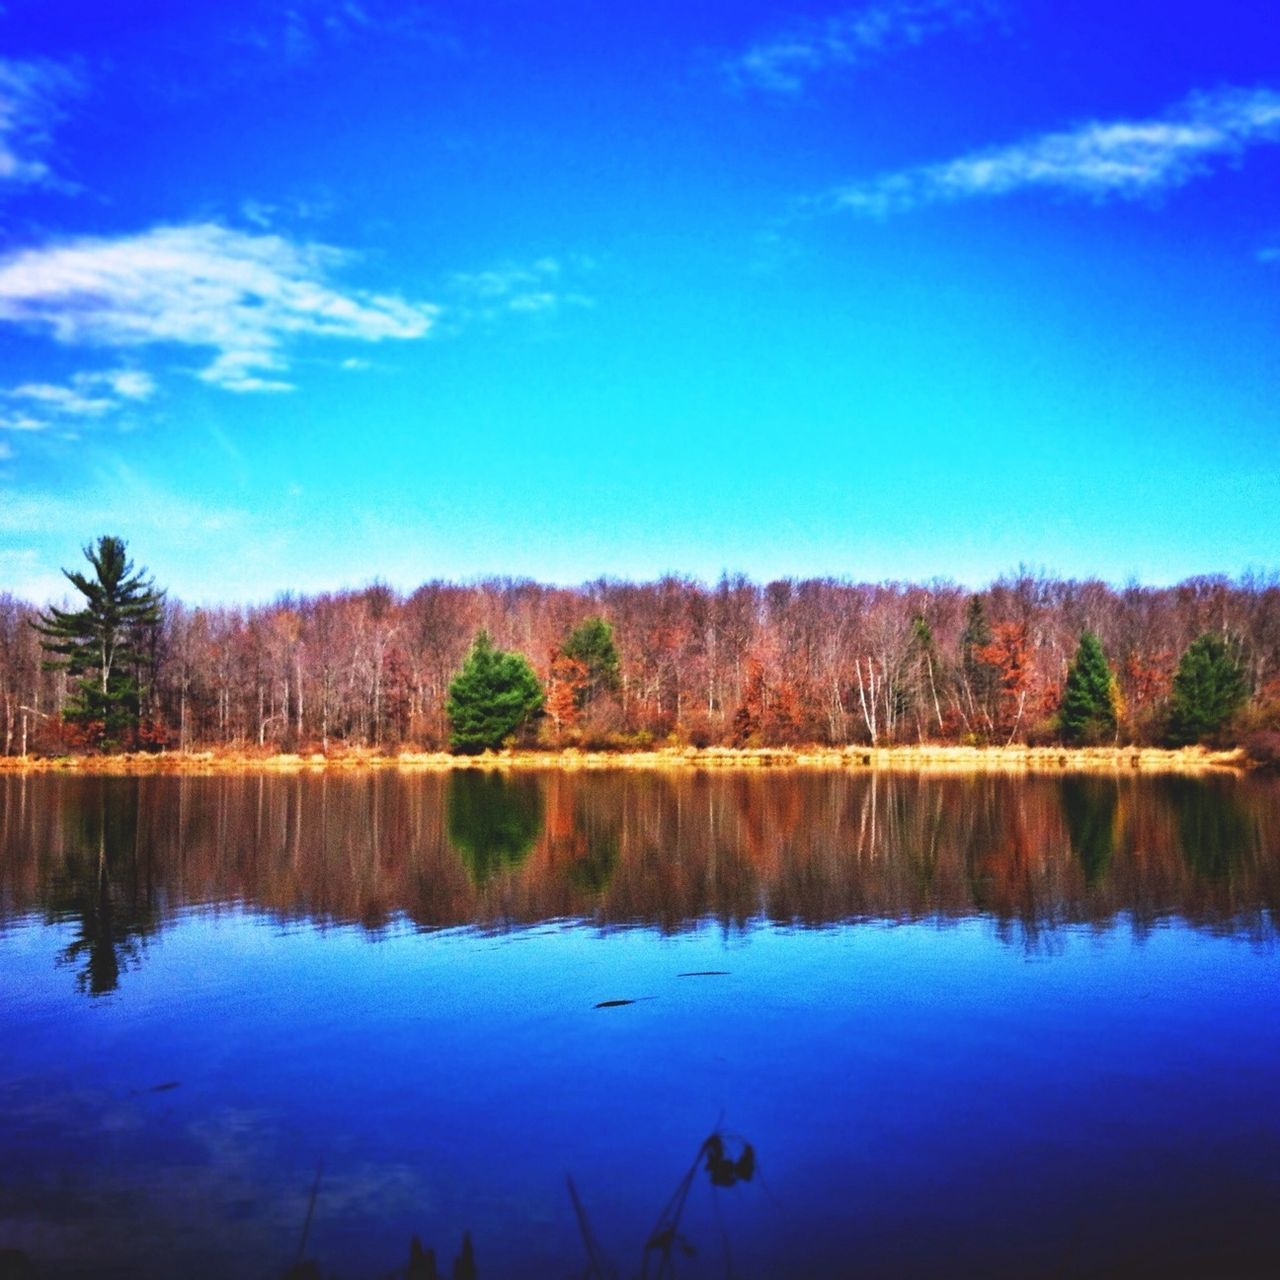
[113,858]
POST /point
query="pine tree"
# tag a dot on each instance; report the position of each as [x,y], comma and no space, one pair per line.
[492,697]
[979,677]
[1088,710]
[1208,689]
[591,643]
[104,643]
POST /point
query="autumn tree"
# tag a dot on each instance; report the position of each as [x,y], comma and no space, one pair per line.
[494,696]
[566,682]
[748,719]
[104,643]
[1088,710]
[1009,657]
[1208,689]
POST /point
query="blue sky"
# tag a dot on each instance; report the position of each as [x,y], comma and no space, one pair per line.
[299,295]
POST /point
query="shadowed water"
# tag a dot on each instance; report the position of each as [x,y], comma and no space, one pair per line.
[972,1025]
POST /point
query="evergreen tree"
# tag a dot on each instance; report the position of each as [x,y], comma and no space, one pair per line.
[591,643]
[1208,689]
[922,669]
[1088,711]
[105,642]
[979,677]
[493,696]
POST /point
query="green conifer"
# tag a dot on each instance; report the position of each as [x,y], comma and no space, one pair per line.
[591,643]
[492,697]
[1208,689]
[103,643]
[1088,710]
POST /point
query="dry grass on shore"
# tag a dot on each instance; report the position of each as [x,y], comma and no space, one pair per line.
[919,759]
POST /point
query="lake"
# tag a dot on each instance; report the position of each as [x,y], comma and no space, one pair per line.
[967,1025]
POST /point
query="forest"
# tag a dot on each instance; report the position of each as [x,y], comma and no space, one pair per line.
[623,665]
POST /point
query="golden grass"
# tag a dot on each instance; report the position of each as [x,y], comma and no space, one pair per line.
[918,759]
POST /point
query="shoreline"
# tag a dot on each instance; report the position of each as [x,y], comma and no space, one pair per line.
[910,759]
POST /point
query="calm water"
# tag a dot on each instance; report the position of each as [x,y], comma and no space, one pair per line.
[986,1026]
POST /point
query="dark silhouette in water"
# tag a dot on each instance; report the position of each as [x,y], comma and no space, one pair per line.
[1214,830]
[104,884]
[494,821]
[1089,808]
[15,1265]
[724,1169]
[464,1265]
[422,1262]
[726,1159]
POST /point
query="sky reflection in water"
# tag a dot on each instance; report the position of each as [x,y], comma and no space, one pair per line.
[992,1026]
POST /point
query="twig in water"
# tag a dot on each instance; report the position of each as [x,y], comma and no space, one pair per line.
[311,1208]
[600,1267]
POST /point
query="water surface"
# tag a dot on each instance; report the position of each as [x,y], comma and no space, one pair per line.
[985,1025]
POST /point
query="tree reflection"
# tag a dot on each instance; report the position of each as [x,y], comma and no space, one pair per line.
[1089,809]
[1212,827]
[103,885]
[493,820]
[112,855]
[596,845]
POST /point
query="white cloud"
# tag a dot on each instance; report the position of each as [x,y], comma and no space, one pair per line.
[1124,159]
[30,97]
[536,286]
[62,400]
[242,297]
[236,371]
[782,63]
[130,384]
[92,394]
[23,421]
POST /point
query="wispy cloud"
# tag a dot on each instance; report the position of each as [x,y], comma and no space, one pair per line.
[1119,159]
[299,32]
[31,97]
[37,406]
[783,62]
[89,394]
[116,496]
[242,297]
[541,285]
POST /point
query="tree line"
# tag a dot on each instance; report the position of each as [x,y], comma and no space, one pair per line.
[614,664]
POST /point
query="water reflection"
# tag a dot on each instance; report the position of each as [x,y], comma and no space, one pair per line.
[494,820]
[99,881]
[1089,806]
[113,858]
[1214,829]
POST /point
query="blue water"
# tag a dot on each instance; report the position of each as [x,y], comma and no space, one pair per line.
[937,1096]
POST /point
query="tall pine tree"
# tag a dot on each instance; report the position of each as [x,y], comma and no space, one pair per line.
[1208,689]
[492,697]
[1088,711]
[104,642]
